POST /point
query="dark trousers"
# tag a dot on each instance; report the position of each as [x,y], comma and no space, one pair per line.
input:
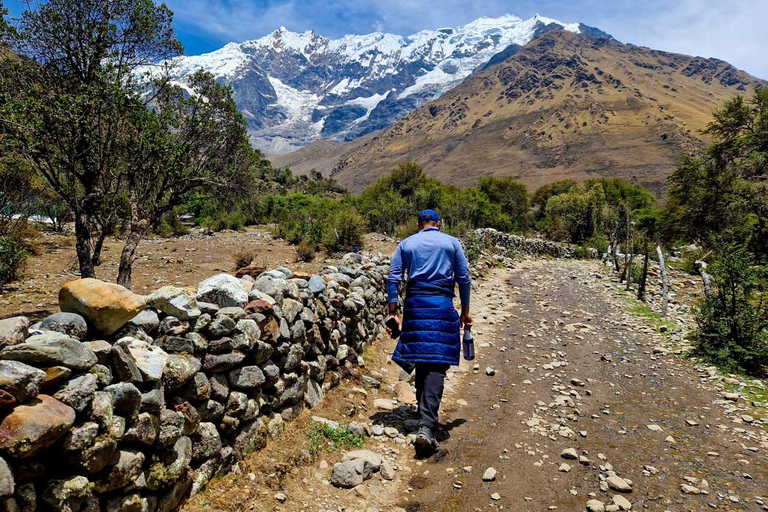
[430,380]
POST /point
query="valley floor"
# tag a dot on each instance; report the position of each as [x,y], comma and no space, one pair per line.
[571,369]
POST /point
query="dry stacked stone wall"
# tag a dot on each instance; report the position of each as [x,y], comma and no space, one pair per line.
[131,403]
[514,245]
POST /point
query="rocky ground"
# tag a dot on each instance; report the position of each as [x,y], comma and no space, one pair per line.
[575,402]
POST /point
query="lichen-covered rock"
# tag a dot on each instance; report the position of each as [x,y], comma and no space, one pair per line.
[314,394]
[143,431]
[177,302]
[217,363]
[221,326]
[206,442]
[125,397]
[68,495]
[246,378]
[52,349]
[13,330]
[78,392]
[171,426]
[106,306]
[179,369]
[20,380]
[71,324]
[7,484]
[125,468]
[149,359]
[95,457]
[32,427]
[157,415]
[224,290]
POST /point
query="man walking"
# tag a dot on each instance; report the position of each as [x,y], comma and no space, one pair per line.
[430,326]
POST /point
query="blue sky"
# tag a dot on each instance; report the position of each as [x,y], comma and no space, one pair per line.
[732,30]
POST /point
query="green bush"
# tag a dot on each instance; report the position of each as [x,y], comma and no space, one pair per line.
[345,230]
[170,226]
[733,320]
[13,258]
[244,258]
[305,252]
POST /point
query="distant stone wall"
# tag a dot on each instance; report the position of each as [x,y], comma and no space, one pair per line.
[131,403]
[515,245]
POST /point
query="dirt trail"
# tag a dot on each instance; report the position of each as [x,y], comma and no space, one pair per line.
[560,321]
[539,326]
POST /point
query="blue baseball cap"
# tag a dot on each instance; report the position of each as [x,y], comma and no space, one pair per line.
[429,215]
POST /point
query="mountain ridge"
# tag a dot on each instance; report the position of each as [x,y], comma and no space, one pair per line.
[295,88]
[563,106]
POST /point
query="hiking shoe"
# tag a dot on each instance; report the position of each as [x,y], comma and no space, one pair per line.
[425,442]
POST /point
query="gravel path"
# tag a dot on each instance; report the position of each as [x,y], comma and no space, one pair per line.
[573,399]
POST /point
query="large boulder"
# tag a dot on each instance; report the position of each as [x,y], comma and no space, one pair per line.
[52,349]
[224,290]
[32,427]
[107,307]
[20,380]
[13,330]
[177,302]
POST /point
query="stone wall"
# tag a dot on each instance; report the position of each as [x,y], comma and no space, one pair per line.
[132,403]
[514,245]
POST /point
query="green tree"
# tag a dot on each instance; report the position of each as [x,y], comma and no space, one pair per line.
[511,195]
[68,94]
[733,320]
[185,144]
[727,187]
[578,214]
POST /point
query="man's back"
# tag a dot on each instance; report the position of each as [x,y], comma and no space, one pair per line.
[430,257]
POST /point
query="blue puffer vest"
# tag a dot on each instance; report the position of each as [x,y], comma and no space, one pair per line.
[431,327]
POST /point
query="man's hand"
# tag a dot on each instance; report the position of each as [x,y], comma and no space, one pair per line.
[397,319]
[466,317]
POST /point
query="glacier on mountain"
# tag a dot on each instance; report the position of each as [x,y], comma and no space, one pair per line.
[294,88]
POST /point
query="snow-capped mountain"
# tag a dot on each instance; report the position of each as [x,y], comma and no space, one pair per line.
[296,88]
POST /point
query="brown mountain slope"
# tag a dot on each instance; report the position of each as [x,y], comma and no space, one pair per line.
[565,106]
[322,155]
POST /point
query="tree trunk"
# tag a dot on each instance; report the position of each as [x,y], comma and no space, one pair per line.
[614,258]
[644,278]
[629,271]
[83,246]
[96,257]
[664,282]
[627,274]
[136,231]
[706,279]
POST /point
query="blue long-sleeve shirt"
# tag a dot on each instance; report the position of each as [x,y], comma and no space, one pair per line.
[430,256]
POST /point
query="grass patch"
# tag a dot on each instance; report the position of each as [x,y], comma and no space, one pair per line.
[644,312]
[325,436]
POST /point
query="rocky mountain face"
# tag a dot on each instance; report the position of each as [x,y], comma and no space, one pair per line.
[297,88]
[564,106]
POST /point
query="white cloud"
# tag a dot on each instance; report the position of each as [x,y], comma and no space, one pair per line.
[731,30]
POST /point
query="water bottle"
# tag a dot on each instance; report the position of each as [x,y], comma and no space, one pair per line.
[469,345]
